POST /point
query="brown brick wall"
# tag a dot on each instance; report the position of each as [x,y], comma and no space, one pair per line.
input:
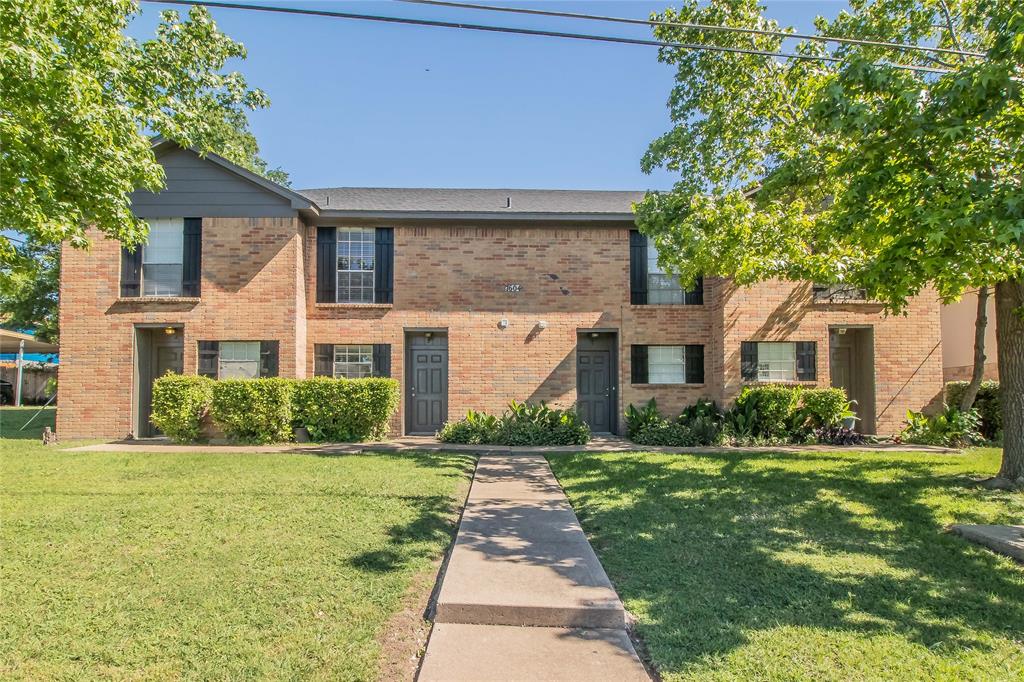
[249,292]
[259,284]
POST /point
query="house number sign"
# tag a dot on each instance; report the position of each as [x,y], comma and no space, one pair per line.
[513,288]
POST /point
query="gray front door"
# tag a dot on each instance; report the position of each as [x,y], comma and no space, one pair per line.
[426,399]
[158,354]
[594,398]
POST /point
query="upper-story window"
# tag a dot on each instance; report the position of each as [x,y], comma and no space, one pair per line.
[838,293]
[162,257]
[354,264]
[168,264]
[650,284]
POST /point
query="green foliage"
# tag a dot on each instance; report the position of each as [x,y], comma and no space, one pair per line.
[29,282]
[950,428]
[342,410]
[774,405]
[180,402]
[639,418]
[666,433]
[254,410]
[821,407]
[521,424]
[79,99]
[987,403]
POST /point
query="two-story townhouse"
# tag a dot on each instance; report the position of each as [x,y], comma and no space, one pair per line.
[470,298]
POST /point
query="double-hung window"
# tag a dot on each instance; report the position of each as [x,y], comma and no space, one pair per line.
[162,257]
[356,264]
[776,362]
[239,360]
[353,361]
[667,364]
[650,284]
[773,361]
[661,287]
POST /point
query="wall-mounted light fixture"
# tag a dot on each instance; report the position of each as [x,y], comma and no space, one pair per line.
[429,335]
[594,335]
[170,331]
[842,330]
[542,324]
[503,323]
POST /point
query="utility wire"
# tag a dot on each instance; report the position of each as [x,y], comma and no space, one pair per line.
[701,27]
[529,32]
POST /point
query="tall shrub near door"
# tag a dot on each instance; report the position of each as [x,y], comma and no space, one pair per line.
[253,410]
[345,409]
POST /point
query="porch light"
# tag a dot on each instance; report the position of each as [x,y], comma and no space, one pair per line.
[542,324]
[169,331]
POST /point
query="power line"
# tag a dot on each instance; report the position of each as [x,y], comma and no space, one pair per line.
[528,31]
[702,27]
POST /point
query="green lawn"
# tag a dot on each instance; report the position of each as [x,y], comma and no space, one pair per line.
[227,566]
[806,566]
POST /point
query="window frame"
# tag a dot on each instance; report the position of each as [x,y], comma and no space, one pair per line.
[769,379]
[223,345]
[179,224]
[656,273]
[372,272]
[682,364]
[347,348]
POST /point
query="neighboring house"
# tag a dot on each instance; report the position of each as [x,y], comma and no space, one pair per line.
[470,298]
[958,322]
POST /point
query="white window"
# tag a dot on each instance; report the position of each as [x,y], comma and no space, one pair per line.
[353,362]
[355,265]
[666,365]
[239,360]
[776,362]
[162,256]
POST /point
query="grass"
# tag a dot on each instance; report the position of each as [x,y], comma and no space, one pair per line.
[13,418]
[814,566]
[227,566]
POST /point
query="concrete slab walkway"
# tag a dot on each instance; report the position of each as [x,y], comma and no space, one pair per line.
[1008,540]
[523,596]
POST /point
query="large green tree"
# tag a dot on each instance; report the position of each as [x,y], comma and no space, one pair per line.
[856,171]
[79,101]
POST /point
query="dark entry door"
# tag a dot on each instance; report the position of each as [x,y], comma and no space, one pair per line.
[159,353]
[426,398]
[594,399]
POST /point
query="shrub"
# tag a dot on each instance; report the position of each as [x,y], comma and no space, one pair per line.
[521,424]
[836,435]
[638,418]
[253,410]
[342,410]
[822,407]
[666,433]
[950,428]
[773,406]
[179,403]
[988,404]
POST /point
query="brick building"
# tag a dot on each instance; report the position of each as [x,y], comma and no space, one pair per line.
[470,298]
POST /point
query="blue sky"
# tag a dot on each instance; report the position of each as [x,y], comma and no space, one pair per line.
[366,104]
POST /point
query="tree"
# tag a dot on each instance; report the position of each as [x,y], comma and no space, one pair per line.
[79,101]
[858,172]
[28,289]
[978,368]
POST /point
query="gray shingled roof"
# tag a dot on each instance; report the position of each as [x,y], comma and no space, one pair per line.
[509,201]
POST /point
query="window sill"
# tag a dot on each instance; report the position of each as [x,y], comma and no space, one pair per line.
[158,299]
[361,306]
[670,385]
[655,306]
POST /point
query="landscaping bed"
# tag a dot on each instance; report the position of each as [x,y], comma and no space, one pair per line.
[227,566]
[811,565]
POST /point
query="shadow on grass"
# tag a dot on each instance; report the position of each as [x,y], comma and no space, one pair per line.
[12,419]
[713,550]
[434,518]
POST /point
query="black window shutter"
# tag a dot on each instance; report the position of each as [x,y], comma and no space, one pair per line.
[806,361]
[209,358]
[326,265]
[323,360]
[694,355]
[131,272]
[269,358]
[638,364]
[748,361]
[191,257]
[384,265]
[382,360]
[637,268]
[696,295]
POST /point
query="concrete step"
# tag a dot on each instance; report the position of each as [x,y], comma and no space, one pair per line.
[493,653]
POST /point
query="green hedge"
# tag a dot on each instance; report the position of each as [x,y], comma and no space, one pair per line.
[988,404]
[179,404]
[521,424]
[775,406]
[345,409]
[254,410]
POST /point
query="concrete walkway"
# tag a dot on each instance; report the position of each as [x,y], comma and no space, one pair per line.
[523,595]
[1008,540]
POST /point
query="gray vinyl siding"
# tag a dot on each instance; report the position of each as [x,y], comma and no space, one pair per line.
[196,187]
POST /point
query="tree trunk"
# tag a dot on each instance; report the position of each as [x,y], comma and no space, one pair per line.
[978,373]
[1010,339]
